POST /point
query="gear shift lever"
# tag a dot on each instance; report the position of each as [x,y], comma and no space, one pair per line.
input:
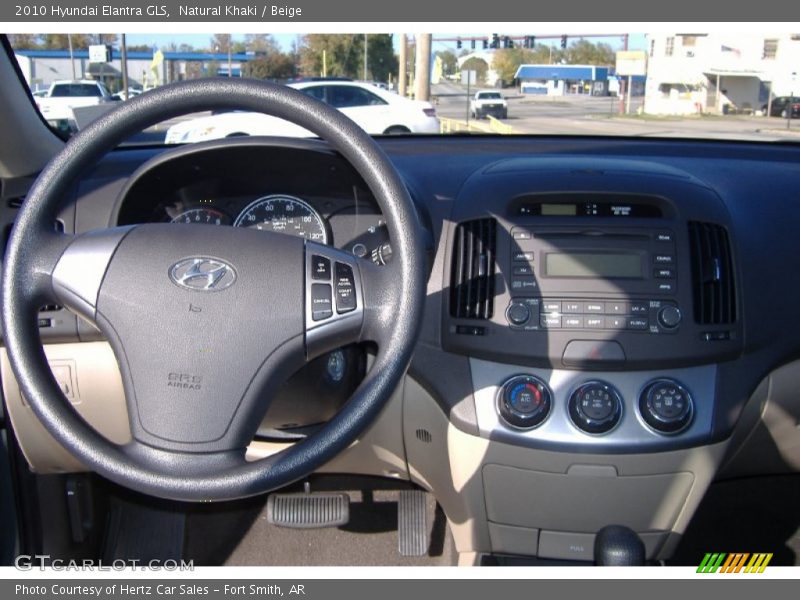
[618,546]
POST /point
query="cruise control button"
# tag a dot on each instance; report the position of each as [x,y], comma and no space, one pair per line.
[320,267]
[321,302]
[345,288]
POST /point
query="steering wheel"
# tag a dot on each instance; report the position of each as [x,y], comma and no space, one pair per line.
[206,322]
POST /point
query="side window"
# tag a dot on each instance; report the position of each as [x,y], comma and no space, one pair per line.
[316,91]
[345,96]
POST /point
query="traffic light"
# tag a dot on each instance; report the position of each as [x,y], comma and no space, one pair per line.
[530,41]
[506,42]
[458,43]
[495,40]
[563,41]
[485,44]
[472,44]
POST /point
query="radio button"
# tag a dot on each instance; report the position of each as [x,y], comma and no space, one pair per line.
[551,306]
[520,256]
[666,287]
[616,308]
[572,322]
[664,259]
[523,270]
[639,323]
[523,284]
[639,308]
[594,322]
[665,273]
[551,321]
[594,307]
[665,236]
[521,234]
[570,307]
[616,323]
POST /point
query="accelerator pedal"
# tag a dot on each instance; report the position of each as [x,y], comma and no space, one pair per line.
[308,510]
[413,536]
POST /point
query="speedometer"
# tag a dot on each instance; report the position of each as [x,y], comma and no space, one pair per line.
[284,214]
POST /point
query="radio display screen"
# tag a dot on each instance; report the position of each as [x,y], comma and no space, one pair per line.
[593,265]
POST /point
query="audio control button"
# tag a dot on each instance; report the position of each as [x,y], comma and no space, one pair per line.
[518,313]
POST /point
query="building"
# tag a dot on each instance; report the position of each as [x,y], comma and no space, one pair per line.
[558,80]
[689,73]
[145,69]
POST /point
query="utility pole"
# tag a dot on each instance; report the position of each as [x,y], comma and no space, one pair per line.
[124,65]
[71,56]
[422,75]
[230,51]
[365,57]
[402,75]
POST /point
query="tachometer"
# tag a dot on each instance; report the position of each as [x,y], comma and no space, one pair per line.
[284,214]
[203,216]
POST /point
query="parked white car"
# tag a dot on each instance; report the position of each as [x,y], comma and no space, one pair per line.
[375,110]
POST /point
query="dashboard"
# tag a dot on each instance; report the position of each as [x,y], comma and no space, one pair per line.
[604,317]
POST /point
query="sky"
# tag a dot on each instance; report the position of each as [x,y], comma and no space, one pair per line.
[635,42]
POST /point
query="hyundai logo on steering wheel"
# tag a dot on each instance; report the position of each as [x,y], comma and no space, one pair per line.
[202,274]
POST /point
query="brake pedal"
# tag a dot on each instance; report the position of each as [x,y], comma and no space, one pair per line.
[413,537]
[308,510]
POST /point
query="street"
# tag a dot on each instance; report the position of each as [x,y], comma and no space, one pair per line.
[598,115]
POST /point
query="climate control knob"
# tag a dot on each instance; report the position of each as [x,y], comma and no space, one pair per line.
[669,317]
[524,401]
[666,406]
[595,407]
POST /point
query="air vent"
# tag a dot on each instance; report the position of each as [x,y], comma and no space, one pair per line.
[472,277]
[712,274]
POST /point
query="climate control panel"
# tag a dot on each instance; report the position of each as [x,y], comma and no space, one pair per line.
[613,411]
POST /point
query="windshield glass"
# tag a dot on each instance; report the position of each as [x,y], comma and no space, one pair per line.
[629,83]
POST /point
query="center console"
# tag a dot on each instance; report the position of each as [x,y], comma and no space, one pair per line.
[594,302]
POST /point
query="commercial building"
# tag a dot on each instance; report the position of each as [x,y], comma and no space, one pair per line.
[558,80]
[145,69]
[719,72]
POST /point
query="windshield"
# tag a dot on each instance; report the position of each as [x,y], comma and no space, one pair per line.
[711,85]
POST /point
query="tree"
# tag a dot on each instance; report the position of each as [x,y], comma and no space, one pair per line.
[449,61]
[221,42]
[506,62]
[344,55]
[584,52]
[25,41]
[275,65]
[60,41]
[261,43]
